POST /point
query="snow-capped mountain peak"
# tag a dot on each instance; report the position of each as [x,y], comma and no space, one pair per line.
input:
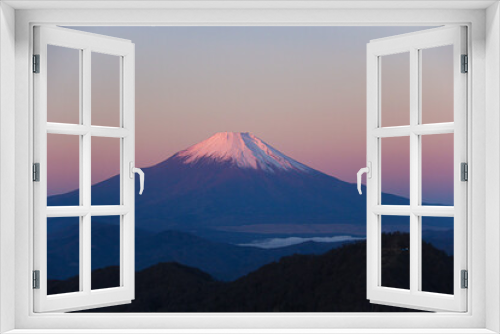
[242,149]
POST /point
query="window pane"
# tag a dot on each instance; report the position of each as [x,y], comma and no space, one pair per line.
[437,169]
[437,254]
[396,251]
[395,171]
[63,255]
[105,90]
[63,165]
[63,85]
[105,171]
[437,84]
[395,89]
[105,252]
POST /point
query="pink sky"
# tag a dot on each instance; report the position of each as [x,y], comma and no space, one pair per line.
[300,89]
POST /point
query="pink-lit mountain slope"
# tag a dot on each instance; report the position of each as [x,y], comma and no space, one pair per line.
[235,187]
[243,150]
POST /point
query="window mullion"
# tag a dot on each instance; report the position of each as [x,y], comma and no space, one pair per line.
[85,168]
[81,195]
[414,171]
[434,129]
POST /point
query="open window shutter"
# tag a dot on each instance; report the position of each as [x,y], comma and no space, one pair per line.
[83,295]
[415,296]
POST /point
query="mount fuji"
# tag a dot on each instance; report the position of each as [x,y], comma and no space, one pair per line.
[227,205]
[242,150]
[234,187]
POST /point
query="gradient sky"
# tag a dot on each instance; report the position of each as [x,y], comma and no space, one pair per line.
[300,89]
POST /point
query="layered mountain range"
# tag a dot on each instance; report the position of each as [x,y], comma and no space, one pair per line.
[235,187]
[228,205]
[334,281]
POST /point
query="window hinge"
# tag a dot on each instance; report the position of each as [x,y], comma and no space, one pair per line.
[36,279]
[464,171]
[465,64]
[36,63]
[465,279]
[36,172]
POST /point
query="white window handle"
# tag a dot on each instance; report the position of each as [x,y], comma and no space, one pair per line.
[368,171]
[141,176]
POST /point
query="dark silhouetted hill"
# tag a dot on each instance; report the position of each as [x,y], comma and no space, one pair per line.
[331,282]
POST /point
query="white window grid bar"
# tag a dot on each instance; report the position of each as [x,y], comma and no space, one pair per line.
[81,211]
[82,130]
[418,210]
[419,129]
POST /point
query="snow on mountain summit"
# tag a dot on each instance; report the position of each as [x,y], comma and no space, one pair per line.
[244,150]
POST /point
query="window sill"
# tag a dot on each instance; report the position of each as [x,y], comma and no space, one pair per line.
[250,331]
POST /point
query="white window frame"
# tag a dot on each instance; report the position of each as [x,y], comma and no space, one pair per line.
[413,44]
[482,19]
[86,44]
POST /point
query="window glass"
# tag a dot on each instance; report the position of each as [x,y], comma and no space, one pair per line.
[395,251]
[437,169]
[395,168]
[105,252]
[106,171]
[395,89]
[63,255]
[437,84]
[105,90]
[437,254]
[63,170]
[63,85]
